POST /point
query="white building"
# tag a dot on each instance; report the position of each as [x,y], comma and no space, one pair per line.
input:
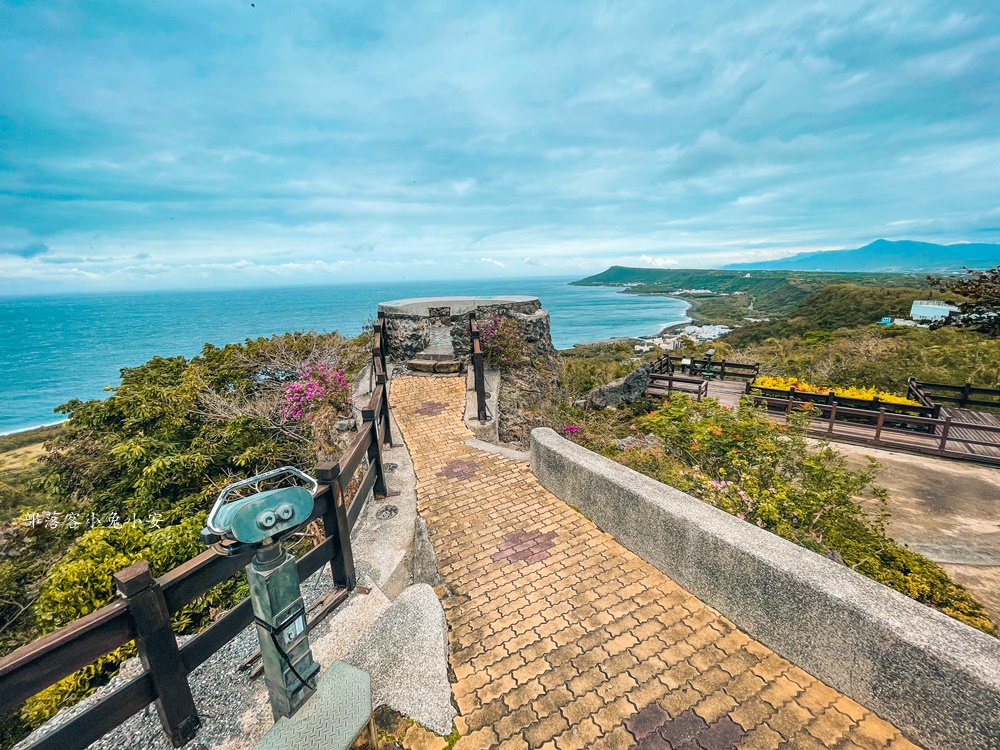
[705,333]
[931,309]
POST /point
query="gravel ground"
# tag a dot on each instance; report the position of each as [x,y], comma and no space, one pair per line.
[234,710]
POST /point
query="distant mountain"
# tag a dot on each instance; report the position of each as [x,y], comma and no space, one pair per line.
[886,255]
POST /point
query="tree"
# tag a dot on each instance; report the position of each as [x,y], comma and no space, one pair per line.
[981,308]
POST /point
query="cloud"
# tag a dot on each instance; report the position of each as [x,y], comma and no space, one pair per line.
[319,142]
[31,250]
[657,262]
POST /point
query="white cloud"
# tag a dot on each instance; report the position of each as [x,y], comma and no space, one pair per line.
[261,144]
[657,261]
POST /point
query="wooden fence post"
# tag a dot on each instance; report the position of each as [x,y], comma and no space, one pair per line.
[478,368]
[375,450]
[159,653]
[722,371]
[387,434]
[966,393]
[879,424]
[944,434]
[791,400]
[833,417]
[335,524]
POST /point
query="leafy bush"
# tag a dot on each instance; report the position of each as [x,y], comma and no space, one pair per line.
[318,387]
[764,473]
[175,430]
[503,343]
[82,582]
[862,394]
[171,435]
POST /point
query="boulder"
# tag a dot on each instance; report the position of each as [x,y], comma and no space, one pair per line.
[406,653]
[621,391]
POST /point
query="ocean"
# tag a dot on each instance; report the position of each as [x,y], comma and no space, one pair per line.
[53,349]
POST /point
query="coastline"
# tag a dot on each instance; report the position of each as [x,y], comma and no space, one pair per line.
[128,330]
[29,436]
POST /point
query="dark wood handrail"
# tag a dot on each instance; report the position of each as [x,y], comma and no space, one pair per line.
[721,368]
[937,393]
[478,368]
[669,382]
[37,665]
[831,397]
[884,425]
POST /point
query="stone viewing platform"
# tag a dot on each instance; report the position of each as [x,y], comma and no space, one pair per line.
[430,334]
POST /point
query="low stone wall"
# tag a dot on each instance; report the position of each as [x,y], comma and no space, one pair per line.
[935,678]
[409,322]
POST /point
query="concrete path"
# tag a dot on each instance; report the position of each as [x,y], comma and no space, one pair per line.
[946,510]
[561,638]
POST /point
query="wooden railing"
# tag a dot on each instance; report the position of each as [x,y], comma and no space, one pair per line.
[663,384]
[962,396]
[478,368]
[934,436]
[662,366]
[379,347]
[831,397]
[143,613]
[720,369]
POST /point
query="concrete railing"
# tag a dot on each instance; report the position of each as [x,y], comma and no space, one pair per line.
[935,678]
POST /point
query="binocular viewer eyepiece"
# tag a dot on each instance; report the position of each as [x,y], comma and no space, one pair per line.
[264,517]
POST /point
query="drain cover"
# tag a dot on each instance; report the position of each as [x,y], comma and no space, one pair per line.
[386,512]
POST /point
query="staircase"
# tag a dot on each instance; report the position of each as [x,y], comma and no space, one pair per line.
[438,357]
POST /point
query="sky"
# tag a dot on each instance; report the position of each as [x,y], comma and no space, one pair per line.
[183,144]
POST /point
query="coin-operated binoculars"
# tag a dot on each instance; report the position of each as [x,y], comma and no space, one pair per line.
[260,521]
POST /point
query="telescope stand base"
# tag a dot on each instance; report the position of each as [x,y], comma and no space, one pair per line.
[332,718]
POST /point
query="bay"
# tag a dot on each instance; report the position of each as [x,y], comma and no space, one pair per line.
[56,348]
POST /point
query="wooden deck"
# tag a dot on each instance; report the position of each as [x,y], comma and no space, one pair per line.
[954,435]
[728,392]
[946,431]
[987,419]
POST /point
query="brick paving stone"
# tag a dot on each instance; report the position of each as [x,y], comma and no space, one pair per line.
[545,730]
[648,721]
[722,735]
[761,738]
[581,735]
[683,728]
[559,635]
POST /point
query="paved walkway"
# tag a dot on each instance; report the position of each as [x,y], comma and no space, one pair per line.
[562,638]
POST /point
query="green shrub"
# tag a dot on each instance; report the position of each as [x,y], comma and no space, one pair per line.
[82,582]
[764,473]
[503,343]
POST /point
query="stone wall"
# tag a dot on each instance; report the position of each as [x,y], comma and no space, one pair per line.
[935,678]
[409,322]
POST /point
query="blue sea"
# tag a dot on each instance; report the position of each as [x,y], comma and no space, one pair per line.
[53,349]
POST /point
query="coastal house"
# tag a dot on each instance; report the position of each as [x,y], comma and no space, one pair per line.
[931,309]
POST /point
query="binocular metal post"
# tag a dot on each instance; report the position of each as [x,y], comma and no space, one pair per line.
[280,614]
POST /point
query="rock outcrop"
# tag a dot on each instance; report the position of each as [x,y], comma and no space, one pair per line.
[415,326]
[621,391]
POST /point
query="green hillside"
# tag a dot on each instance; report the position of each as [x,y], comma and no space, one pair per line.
[768,293]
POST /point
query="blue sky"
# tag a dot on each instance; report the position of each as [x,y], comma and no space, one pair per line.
[193,144]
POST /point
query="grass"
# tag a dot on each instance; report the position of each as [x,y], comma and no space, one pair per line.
[28,437]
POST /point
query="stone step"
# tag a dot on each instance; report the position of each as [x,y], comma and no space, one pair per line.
[430,356]
[435,366]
